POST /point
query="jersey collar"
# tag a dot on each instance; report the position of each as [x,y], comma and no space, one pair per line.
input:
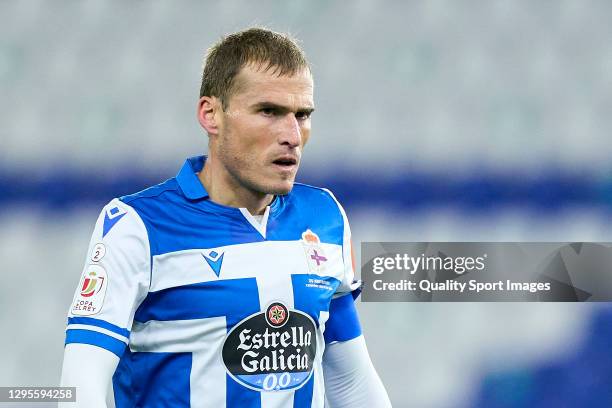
[193,188]
[188,180]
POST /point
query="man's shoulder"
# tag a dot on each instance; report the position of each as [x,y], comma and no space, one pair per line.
[151,194]
[316,209]
[155,195]
[303,191]
[315,197]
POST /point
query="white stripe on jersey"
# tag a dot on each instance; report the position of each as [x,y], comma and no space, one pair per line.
[274,288]
[250,260]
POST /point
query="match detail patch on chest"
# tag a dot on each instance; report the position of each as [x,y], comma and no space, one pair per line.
[272,350]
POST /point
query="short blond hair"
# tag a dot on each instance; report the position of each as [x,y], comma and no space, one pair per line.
[259,46]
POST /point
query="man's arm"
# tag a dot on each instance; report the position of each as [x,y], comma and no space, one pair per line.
[114,281]
[89,369]
[350,378]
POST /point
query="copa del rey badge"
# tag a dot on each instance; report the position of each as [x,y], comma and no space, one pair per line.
[92,288]
[317,260]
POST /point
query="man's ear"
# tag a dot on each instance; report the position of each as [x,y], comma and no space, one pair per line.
[209,114]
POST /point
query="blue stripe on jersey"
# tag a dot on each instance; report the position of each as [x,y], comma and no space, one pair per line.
[190,225]
[239,396]
[175,224]
[343,323]
[99,323]
[153,380]
[233,298]
[303,397]
[95,339]
[304,297]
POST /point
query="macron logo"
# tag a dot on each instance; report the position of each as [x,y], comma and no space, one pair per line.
[111,217]
[214,260]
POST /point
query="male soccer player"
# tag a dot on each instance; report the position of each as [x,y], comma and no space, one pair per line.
[228,285]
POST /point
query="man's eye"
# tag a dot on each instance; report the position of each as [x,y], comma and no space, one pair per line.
[302,115]
[268,111]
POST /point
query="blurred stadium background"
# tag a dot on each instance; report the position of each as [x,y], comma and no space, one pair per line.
[436,121]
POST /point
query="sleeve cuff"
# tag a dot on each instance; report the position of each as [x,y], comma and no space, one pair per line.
[96,338]
[343,323]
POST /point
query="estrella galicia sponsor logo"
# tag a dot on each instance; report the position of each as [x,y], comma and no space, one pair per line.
[272,350]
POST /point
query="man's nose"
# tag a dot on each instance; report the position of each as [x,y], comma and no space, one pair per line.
[291,134]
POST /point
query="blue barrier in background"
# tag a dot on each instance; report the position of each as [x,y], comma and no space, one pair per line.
[64,188]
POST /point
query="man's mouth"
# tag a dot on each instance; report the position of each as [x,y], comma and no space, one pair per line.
[286,162]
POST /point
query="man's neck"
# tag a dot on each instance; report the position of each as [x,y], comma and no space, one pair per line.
[222,189]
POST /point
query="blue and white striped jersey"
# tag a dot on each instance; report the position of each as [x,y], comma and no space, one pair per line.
[206,306]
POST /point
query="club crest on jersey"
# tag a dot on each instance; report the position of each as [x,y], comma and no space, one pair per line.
[315,256]
[90,298]
[273,350]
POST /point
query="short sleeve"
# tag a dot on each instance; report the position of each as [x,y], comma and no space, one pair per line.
[114,281]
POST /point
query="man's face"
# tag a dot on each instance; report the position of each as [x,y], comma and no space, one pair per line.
[264,128]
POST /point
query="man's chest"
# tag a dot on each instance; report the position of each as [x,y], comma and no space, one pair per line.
[240,279]
[256,310]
